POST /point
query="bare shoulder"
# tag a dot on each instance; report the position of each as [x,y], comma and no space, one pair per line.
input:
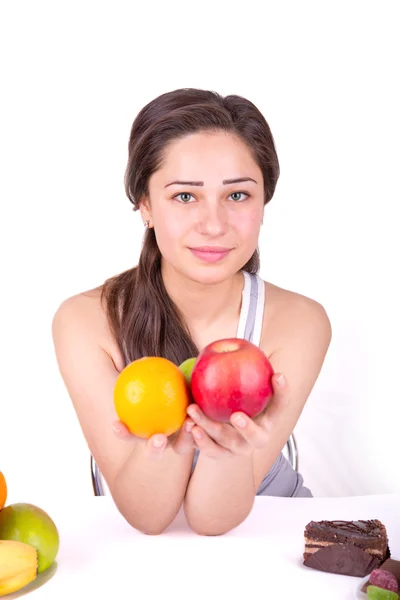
[289,315]
[85,307]
[89,311]
[297,342]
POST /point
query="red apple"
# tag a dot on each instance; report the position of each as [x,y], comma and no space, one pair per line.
[231,375]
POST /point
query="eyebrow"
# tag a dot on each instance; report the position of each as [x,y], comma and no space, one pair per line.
[225,181]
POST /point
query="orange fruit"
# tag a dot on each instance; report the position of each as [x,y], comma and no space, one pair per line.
[151,396]
[3,490]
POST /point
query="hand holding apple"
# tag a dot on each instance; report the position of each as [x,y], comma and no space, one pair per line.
[242,434]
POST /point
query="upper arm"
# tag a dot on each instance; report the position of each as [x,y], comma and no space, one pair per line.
[305,338]
[89,375]
[305,342]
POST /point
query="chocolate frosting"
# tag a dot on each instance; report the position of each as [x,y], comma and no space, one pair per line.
[353,526]
[358,528]
[344,559]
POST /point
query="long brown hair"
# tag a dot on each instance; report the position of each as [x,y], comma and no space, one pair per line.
[143,318]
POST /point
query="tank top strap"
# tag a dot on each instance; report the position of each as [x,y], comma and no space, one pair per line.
[244,311]
[252,310]
[258,318]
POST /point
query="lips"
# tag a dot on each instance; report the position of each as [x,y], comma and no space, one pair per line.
[211,249]
[210,253]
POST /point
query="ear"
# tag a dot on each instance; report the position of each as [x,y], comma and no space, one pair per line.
[145,209]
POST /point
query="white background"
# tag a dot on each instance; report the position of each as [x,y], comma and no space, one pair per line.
[325,75]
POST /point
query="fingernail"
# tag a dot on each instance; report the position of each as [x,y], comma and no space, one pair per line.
[197,434]
[116,428]
[158,442]
[280,380]
[240,421]
[189,426]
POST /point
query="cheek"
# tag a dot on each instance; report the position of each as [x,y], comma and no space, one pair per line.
[173,227]
[248,224]
[169,232]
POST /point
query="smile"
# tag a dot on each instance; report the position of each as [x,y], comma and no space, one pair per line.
[209,255]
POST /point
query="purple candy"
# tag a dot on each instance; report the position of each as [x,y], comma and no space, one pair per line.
[383,579]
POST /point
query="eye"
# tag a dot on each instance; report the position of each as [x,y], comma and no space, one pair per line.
[184,197]
[236,199]
[185,200]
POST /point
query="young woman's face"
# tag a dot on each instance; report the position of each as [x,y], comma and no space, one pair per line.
[207,225]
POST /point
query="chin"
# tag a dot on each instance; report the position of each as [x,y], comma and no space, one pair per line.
[211,275]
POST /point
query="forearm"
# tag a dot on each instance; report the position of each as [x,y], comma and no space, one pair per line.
[148,492]
[220,494]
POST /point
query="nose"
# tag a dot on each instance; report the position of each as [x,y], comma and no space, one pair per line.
[213,219]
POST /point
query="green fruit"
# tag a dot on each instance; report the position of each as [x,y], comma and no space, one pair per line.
[187,367]
[377,593]
[32,525]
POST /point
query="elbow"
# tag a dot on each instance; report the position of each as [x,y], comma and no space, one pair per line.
[207,529]
[144,522]
[207,525]
[152,529]
[145,519]
[147,527]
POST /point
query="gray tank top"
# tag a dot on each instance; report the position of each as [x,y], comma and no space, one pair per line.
[282,479]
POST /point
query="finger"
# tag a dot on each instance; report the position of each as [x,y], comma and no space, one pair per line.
[184,441]
[121,431]
[255,435]
[155,446]
[205,444]
[280,398]
[189,424]
[272,413]
[216,430]
[280,386]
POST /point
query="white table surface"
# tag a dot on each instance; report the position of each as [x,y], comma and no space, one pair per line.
[101,555]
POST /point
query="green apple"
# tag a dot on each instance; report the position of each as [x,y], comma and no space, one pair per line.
[30,524]
[187,367]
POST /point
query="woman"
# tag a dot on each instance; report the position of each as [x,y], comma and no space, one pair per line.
[201,169]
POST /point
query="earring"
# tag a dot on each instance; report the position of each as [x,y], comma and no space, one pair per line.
[146,224]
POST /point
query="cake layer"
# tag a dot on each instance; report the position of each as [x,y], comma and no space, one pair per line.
[311,548]
[343,559]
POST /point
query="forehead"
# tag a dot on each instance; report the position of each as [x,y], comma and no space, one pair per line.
[216,155]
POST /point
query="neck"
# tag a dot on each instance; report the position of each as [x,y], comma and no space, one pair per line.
[204,304]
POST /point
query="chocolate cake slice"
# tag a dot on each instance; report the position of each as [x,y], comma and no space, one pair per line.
[345,547]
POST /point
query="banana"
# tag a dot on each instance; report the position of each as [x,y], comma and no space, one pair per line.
[18,565]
